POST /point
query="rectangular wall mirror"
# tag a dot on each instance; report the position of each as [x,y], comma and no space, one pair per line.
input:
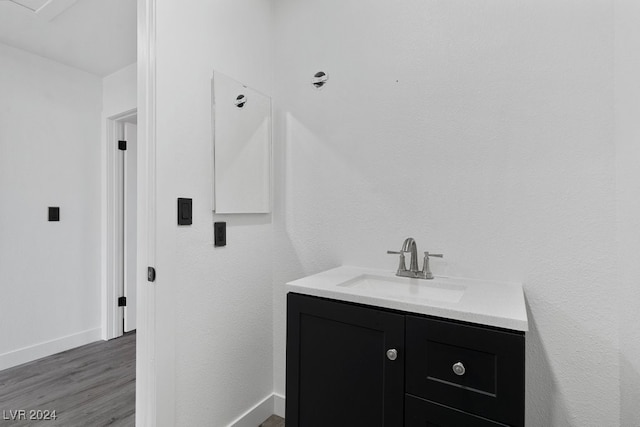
[241,147]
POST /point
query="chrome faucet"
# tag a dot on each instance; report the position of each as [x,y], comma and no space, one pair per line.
[410,245]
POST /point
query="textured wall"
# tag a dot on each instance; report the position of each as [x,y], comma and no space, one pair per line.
[214,305]
[49,156]
[485,131]
[627,91]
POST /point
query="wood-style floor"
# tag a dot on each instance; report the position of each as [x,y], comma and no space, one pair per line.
[93,385]
[273,421]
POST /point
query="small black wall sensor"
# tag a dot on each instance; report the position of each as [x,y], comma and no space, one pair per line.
[54,213]
[219,234]
[184,211]
[151,274]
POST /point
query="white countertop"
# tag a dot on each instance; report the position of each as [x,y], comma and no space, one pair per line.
[484,302]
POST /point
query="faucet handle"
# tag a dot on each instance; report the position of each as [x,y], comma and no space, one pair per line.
[428,254]
[426,271]
[401,265]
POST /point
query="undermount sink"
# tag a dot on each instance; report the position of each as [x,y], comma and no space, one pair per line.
[402,288]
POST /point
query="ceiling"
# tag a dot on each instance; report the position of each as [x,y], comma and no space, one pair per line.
[98,36]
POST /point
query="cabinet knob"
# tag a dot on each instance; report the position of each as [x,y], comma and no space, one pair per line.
[392,354]
[458,368]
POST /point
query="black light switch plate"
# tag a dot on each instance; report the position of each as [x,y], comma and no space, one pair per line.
[219,234]
[184,211]
[54,213]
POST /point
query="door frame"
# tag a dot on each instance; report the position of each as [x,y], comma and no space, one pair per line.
[146,372]
[112,314]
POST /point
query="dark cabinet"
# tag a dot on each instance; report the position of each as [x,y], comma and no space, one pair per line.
[353,365]
[338,372]
[422,413]
[487,379]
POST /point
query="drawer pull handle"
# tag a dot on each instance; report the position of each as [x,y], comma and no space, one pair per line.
[392,354]
[458,368]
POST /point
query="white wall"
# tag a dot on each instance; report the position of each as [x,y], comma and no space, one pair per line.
[214,349]
[485,131]
[627,91]
[49,156]
[119,91]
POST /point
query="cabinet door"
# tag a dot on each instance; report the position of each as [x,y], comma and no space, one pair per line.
[338,372]
[422,413]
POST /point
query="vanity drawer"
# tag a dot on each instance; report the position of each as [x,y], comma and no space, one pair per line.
[471,368]
[422,413]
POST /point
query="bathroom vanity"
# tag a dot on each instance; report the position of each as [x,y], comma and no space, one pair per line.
[366,348]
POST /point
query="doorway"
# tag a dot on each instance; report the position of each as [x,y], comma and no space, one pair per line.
[122,171]
[127,163]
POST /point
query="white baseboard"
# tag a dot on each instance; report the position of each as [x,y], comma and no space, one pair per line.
[37,351]
[273,404]
[278,404]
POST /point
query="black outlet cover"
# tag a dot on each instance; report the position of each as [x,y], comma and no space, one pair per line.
[54,213]
[219,234]
[184,211]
